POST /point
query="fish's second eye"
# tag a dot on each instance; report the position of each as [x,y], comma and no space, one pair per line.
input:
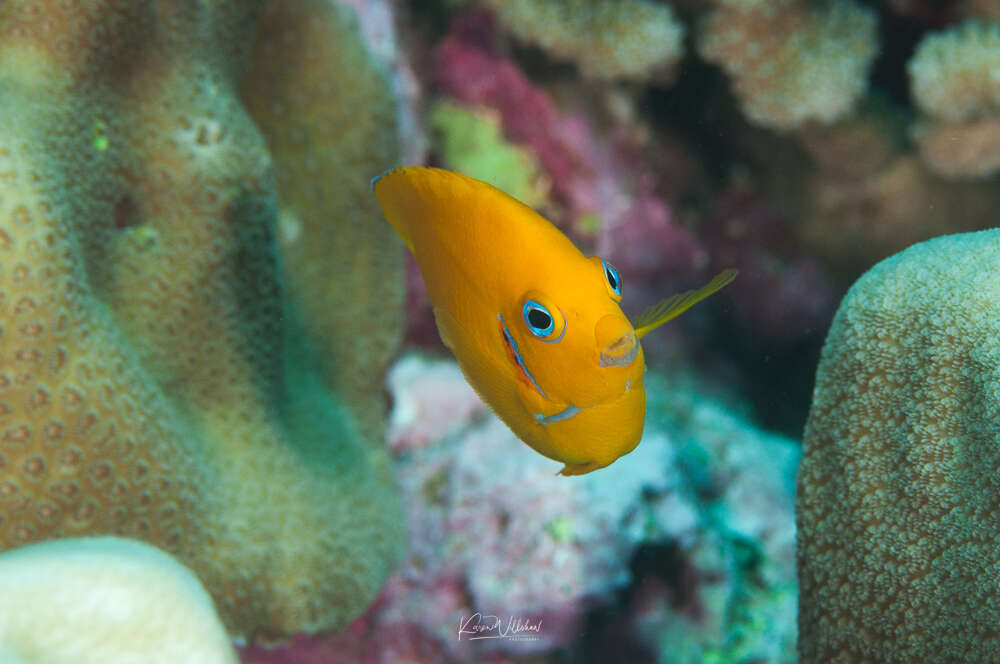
[614,279]
[538,318]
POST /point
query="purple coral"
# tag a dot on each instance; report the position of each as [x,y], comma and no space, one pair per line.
[470,70]
[781,293]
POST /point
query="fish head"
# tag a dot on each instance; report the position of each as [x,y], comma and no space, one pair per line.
[569,338]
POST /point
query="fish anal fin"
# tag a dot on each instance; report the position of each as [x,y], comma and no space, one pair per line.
[675,305]
[579,468]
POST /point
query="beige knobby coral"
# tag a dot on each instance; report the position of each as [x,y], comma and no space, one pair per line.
[105,600]
[163,376]
[605,38]
[791,62]
[899,532]
[987,10]
[955,77]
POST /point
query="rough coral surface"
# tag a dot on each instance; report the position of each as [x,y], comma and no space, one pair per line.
[308,75]
[606,39]
[897,491]
[153,382]
[955,77]
[795,64]
[954,72]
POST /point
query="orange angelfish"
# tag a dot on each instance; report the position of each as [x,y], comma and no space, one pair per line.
[535,324]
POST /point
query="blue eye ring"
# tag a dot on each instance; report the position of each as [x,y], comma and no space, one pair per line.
[614,279]
[537,311]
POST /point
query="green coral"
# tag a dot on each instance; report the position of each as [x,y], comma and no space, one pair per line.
[471,141]
[309,74]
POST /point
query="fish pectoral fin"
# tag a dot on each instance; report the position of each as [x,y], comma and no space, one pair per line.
[675,305]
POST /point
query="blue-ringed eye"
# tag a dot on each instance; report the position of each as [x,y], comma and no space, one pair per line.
[539,320]
[614,280]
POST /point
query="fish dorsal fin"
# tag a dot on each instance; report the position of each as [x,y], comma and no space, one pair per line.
[675,305]
[389,200]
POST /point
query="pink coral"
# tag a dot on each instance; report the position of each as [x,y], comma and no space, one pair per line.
[606,194]
[494,531]
[470,71]
[432,402]
[599,176]
[420,327]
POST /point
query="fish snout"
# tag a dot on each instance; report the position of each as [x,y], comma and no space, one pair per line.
[617,341]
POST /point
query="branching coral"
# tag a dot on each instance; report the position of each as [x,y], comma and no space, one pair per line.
[606,39]
[898,529]
[793,63]
[105,600]
[154,382]
[955,77]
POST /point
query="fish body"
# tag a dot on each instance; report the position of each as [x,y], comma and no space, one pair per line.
[534,324]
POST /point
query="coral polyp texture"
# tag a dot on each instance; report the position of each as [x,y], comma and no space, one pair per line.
[795,63]
[105,600]
[605,38]
[954,72]
[955,78]
[898,531]
[987,10]
[154,381]
[309,73]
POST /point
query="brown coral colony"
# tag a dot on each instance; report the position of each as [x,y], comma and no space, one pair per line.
[142,364]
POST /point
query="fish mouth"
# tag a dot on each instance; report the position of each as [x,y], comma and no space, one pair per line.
[622,352]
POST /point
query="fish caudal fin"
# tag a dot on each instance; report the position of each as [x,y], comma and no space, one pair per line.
[675,305]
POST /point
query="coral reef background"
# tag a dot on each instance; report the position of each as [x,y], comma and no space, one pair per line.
[199,305]
[800,141]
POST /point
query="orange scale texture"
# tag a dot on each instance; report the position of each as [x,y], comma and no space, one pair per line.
[173,366]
